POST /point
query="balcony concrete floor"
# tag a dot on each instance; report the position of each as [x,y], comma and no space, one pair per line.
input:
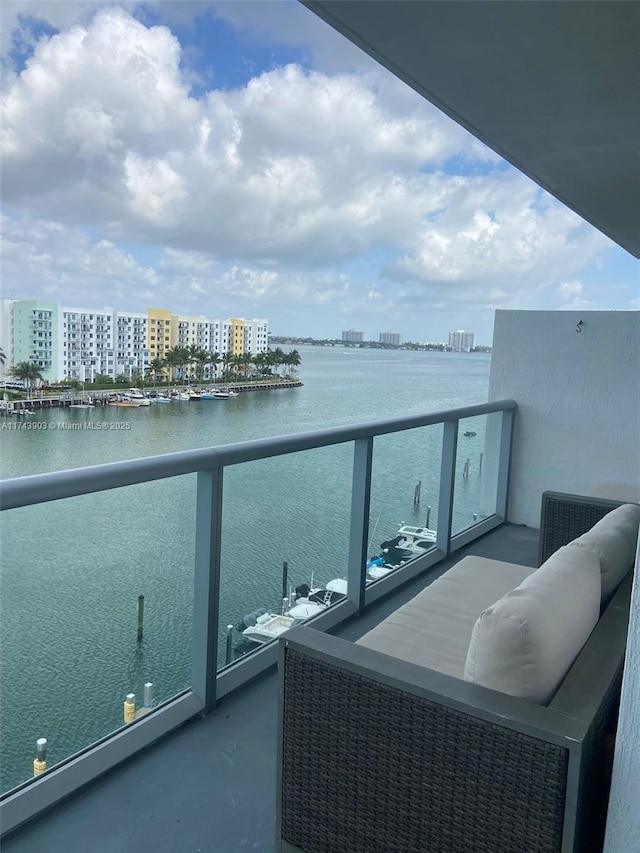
[209,787]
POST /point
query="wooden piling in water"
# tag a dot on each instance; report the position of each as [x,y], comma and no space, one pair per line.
[229,650]
[285,579]
[140,616]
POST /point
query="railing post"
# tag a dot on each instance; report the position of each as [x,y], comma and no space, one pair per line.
[504,460]
[206,592]
[359,529]
[447,484]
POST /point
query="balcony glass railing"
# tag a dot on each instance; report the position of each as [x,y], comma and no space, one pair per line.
[204,535]
[475,493]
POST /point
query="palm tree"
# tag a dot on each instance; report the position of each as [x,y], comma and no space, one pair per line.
[276,358]
[173,359]
[27,372]
[292,360]
[243,362]
[214,361]
[3,357]
[227,361]
[201,358]
[156,368]
[260,361]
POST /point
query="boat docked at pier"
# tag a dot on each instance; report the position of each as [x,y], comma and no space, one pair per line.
[409,542]
[138,396]
[261,627]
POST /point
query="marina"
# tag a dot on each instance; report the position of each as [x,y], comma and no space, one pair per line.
[74,657]
[70,399]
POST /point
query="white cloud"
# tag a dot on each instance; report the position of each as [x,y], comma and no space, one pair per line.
[257,199]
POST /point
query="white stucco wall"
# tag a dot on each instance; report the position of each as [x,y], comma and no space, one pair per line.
[578,396]
[623,819]
[578,424]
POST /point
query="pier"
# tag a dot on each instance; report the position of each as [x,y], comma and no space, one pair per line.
[103,397]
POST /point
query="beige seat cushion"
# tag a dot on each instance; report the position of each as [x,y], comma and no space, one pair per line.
[434,628]
[525,643]
[613,539]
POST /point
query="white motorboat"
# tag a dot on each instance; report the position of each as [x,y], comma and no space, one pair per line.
[262,626]
[268,627]
[409,542]
[223,394]
[416,538]
[137,396]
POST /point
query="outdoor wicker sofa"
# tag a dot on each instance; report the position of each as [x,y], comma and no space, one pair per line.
[381,754]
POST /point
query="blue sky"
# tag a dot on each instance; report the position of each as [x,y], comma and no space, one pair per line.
[242,159]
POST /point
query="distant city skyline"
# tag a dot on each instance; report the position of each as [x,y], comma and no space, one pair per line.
[243,159]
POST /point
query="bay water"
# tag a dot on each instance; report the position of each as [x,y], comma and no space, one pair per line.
[71,571]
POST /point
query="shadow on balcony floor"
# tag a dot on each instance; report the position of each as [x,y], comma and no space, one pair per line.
[210,785]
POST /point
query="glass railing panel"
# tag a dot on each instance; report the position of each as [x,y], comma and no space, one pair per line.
[476,474]
[291,509]
[72,573]
[405,484]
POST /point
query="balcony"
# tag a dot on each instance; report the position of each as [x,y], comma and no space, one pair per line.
[228,756]
[222,476]
[210,785]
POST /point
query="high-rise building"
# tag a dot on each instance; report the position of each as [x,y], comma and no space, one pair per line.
[352,337]
[461,341]
[393,338]
[80,343]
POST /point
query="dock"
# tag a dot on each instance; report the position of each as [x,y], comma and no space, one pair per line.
[43,401]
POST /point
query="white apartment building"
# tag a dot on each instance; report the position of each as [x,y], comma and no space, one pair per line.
[392,338]
[81,343]
[256,336]
[461,341]
[6,335]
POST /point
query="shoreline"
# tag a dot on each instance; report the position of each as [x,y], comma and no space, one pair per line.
[102,397]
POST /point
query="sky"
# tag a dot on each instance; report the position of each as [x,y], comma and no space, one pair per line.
[242,159]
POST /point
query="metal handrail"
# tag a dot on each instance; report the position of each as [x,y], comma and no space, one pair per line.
[207,683]
[42,488]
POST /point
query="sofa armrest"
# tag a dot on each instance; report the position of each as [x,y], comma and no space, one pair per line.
[376,754]
[564,517]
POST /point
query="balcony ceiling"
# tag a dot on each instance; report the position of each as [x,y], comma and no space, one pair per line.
[553,87]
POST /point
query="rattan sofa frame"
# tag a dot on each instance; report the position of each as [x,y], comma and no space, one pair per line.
[376,755]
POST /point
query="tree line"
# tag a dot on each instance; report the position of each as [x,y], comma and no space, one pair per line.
[187,364]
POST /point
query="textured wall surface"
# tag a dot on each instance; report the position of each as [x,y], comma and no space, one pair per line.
[578,396]
[623,820]
[578,424]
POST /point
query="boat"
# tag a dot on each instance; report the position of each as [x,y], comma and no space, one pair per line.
[267,627]
[378,568]
[416,537]
[408,543]
[136,394]
[223,393]
[469,433]
[124,403]
[181,395]
[260,626]
[160,399]
[207,395]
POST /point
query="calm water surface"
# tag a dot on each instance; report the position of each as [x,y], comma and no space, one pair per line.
[71,571]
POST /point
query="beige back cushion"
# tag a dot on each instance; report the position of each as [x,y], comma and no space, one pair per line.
[613,539]
[525,643]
